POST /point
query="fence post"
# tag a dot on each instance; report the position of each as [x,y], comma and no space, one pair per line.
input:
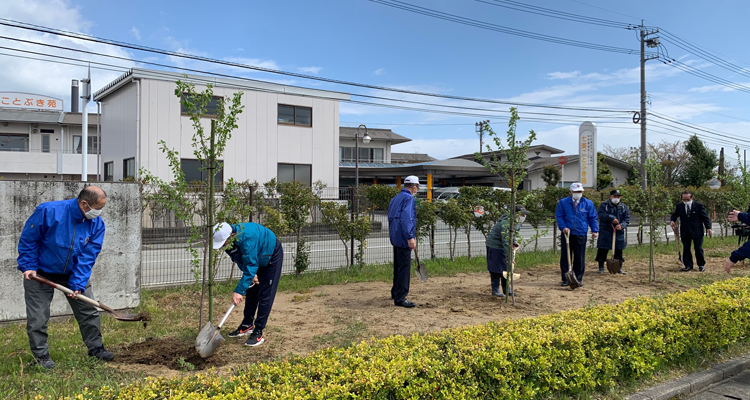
[252,190]
[432,242]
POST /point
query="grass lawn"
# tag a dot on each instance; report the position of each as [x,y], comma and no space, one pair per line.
[174,315]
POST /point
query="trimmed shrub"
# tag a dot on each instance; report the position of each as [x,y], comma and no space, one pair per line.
[563,353]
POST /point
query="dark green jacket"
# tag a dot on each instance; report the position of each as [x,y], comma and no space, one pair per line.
[498,237]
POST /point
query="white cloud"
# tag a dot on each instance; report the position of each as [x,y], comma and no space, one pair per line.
[439,148]
[310,70]
[563,75]
[379,71]
[716,88]
[51,78]
[135,32]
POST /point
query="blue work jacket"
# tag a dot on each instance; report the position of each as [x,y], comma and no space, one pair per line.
[608,212]
[58,239]
[402,219]
[253,247]
[743,252]
[577,220]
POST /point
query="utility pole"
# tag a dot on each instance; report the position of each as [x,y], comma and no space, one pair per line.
[480,131]
[651,43]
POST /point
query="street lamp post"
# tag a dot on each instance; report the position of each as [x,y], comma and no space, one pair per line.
[355,195]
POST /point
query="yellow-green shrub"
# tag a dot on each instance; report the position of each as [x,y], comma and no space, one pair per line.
[567,353]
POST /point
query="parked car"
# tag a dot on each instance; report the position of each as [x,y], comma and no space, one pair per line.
[445,194]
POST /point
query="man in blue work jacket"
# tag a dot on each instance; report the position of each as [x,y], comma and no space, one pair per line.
[402,227]
[744,251]
[259,255]
[575,215]
[60,242]
[615,217]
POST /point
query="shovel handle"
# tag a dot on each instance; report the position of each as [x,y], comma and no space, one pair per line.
[66,290]
[223,320]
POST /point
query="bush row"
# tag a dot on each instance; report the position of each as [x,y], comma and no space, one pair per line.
[564,353]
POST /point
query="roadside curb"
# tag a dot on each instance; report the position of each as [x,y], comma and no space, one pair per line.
[696,382]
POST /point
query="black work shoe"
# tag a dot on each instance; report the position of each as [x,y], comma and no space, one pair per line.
[404,303]
[564,283]
[101,353]
[623,272]
[601,269]
[701,268]
[242,330]
[256,338]
[686,269]
[45,362]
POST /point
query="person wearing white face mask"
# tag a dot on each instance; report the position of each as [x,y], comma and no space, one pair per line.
[498,250]
[693,220]
[402,230]
[76,222]
[614,217]
[575,215]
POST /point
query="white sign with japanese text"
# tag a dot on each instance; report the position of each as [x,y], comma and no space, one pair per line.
[29,101]
[587,151]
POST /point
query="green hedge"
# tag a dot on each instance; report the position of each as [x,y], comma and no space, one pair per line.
[563,353]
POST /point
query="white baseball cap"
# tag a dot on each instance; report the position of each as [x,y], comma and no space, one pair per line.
[576,187]
[411,179]
[222,231]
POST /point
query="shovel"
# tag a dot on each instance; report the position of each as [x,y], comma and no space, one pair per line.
[613,264]
[118,315]
[677,242]
[421,271]
[570,276]
[209,339]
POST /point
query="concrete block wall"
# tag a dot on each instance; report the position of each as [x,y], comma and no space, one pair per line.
[116,274]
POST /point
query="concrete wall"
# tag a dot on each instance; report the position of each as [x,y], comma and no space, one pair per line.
[116,275]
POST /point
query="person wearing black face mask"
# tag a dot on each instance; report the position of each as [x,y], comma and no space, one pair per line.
[693,219]
[77,222]
[614,217]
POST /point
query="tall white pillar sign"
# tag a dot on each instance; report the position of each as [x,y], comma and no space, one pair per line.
[587,151]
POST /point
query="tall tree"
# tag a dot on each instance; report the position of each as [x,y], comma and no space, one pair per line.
[700,165]
[603,172]
[551,175]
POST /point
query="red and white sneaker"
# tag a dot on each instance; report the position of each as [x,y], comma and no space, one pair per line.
[255,339]
[243,330]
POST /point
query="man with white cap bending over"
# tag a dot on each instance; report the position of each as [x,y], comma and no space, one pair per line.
[259,255]
[402,227]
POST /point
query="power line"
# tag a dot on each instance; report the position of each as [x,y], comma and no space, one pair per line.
[705,75]
[498,28]
[704,54]
[698,109]
[548,12]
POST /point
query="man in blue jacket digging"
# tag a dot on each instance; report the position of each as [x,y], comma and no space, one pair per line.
[259,255]
[744,251]
[575,215]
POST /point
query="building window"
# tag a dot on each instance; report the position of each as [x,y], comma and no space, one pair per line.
[109,171]
[195,172]
[212,108]
[93,142]
[14,142]
[295,115]
[128,168]
[295,172]
[45,143]
[346,154]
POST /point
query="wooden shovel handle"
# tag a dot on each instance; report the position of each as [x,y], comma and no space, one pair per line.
[68,291]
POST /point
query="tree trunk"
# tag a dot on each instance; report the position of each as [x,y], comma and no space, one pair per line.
[554,236]
[432,241]
[346,254]
[468,240]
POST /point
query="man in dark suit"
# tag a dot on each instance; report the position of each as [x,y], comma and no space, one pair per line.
[693,219]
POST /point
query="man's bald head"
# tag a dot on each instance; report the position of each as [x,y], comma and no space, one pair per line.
[94,196]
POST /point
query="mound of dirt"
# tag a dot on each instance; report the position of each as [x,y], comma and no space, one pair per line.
[168,352]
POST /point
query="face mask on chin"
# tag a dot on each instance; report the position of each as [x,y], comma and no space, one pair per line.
[615,200]
[577,196]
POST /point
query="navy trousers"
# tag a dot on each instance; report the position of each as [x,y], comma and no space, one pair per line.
[401,273]
[259,298]
[578,254]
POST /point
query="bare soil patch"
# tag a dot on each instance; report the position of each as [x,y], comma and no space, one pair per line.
[344,314]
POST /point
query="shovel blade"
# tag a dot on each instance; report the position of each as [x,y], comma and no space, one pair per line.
[515,275]
[209,339]
[421,272]
[572,280]
[613,266]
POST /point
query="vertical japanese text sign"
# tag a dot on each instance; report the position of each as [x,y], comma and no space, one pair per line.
[587,151]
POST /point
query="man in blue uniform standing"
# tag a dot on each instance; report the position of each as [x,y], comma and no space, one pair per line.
[402,227]
[76,223]
[743,252]
[575,215]
[259,255]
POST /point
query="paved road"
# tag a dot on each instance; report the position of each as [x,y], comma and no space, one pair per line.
[170,264]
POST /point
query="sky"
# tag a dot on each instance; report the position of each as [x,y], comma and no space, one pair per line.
[366,42]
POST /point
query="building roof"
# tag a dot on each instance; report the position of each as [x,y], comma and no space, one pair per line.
[442,168]
[240,84]
[486,154]
[544,161]
[406,158]
[44,117]
[375,134]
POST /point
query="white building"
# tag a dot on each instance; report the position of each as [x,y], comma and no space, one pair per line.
[40,141]
[284,132]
